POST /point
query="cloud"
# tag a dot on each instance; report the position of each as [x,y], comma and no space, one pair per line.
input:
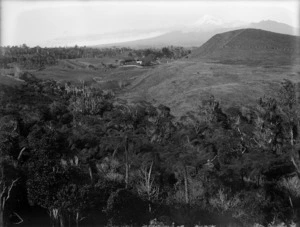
[34,22]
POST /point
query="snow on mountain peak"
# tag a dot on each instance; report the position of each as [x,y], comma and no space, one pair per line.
[209,20]
[209,23]
[205,23]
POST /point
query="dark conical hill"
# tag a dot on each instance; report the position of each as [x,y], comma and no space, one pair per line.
[250,46]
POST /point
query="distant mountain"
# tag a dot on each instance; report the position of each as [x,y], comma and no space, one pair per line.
[190,35]
[106,38]
[199,32]
[175,38]
[249,46]
[274,26]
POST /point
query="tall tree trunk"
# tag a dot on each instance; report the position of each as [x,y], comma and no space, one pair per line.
[149,186]
[54,217]
[77,219]
[4,198]
[91,174]
[297,211]
[53,221]
[186,186]
[126,163]
[61,221]
[1,217]
[292,137]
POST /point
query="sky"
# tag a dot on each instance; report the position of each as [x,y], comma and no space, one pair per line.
[48,22]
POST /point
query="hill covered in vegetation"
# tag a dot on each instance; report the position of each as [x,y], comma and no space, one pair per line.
[251,47]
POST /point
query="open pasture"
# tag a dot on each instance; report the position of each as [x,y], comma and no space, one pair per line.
[182,85]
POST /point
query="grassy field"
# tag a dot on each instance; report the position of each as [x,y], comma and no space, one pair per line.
[180,84]
[183,84]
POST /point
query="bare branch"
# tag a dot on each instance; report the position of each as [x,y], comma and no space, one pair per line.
[21,219]
[214,158]
[10,187]
[3,191]
[295,164]
[243,151]
[21,152]
[291,202]
[82,218]
[256,142]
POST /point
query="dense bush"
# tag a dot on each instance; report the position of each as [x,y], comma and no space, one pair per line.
[126,208]
[78,149]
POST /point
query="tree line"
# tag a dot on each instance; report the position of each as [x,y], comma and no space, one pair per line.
[79,152]
[38,57]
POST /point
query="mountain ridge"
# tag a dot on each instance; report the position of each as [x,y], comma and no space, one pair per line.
[197,38]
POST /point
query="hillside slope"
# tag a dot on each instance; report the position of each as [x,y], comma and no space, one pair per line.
[182,85]
[250,46]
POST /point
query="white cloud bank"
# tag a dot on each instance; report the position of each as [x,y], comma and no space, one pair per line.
[37,22]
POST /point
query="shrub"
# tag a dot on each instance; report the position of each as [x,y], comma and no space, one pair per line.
[126,208]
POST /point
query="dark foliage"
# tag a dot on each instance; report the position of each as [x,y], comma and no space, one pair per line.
[77,150]
[124,207]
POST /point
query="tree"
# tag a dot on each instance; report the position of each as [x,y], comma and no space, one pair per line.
[120,210]
[64,192]
[47,176]
[145,186]
[8,163]
[166,52]
[148,60]
[6,187]
[289,107]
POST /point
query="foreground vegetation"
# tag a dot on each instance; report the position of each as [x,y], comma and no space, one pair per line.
[79,152]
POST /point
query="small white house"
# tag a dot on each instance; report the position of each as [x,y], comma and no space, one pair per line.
[139,62]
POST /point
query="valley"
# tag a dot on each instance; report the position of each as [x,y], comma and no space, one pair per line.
[236,74]
[191,136]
